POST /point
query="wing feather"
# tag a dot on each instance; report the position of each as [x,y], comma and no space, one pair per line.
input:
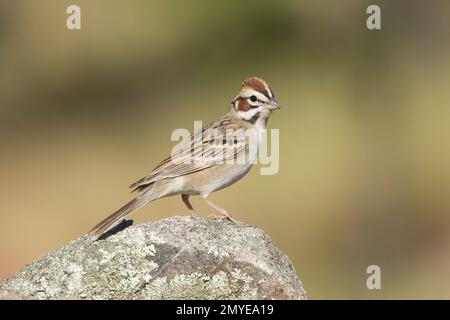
[203,150]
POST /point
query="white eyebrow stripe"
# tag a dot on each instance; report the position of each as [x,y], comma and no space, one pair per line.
[248,92]
[260,96]
[269,92]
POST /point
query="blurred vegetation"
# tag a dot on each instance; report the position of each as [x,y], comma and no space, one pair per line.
[364,171]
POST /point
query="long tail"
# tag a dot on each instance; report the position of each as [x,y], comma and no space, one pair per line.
[108,222]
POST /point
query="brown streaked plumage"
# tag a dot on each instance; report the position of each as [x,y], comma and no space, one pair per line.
[194,173]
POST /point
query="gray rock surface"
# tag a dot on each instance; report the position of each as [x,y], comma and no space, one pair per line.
[174,258]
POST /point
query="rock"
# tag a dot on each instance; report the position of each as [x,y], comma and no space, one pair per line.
[174,258]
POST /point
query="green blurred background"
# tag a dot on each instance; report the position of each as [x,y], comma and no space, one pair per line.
[364,126]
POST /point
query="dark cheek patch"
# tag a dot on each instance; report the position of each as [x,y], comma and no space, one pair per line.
[242,105]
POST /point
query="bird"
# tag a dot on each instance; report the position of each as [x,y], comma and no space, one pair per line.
[210,160]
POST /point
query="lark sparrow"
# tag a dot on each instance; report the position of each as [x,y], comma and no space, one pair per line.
[190,170]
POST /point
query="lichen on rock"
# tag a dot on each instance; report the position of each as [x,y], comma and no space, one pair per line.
[174,258]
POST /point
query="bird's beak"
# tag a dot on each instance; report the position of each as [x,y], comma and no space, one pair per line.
[274,105]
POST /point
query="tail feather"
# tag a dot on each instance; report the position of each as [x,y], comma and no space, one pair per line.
[109,221]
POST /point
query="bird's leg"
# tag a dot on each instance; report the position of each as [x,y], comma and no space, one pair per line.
[224,213]
[185,198]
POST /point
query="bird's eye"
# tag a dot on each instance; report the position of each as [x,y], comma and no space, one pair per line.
[253,98]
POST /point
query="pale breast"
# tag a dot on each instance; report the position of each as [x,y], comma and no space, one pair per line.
[219,176]
[215,178]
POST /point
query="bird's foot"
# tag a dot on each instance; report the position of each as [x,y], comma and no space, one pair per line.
[194,214]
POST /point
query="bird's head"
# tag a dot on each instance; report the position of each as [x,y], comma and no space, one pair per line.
[254,97]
